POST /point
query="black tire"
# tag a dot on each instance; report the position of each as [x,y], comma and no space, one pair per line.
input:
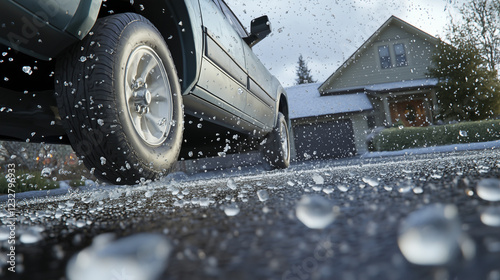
[110,121]
[277,146]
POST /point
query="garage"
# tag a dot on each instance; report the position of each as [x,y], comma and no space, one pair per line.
[327,127]
[324,140]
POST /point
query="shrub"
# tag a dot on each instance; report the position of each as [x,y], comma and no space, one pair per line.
[414,137]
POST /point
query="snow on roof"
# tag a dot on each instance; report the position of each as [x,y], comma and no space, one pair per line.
[403,85]
[384,87]
[305,101]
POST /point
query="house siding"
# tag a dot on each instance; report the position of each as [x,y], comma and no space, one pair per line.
[366,69]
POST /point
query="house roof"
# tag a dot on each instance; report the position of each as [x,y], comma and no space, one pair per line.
[393,20]
[305,101]
[387,87]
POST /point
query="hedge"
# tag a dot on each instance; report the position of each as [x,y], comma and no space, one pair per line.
[394,139]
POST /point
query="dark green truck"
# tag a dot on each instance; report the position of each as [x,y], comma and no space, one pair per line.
[135,85]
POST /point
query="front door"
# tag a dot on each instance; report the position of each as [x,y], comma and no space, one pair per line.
[409,113]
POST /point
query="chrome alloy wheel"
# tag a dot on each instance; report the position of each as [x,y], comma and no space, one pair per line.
[148,95]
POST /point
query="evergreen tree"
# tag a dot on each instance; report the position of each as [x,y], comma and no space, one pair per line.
[303,73]
[467,89]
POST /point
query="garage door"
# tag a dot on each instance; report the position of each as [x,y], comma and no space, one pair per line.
[325,140]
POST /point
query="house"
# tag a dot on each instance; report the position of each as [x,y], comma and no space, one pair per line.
[384,83]
[391,69]
[331,126]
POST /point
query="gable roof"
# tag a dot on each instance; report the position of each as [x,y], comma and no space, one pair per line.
[393,20]
[306,101]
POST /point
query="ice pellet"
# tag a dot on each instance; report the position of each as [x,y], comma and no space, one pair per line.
[315,211]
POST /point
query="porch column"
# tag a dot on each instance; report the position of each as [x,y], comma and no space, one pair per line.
[387,110]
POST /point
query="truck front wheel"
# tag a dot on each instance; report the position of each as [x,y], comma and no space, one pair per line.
[120,100]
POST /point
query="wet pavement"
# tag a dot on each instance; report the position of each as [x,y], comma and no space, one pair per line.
[432,216]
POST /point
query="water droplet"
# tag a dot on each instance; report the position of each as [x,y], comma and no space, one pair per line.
[70,204]
[204,202]
[30,237]
[489,189]
[80,223]
[162,122]
[232,209]
[343,188]
[83,58]
[140,256]
[100,122]
[315,211]
[463,133]
[405,187]
[432,236]
[103,160]
[58,214]
[418,190]
[46,172]
[491,216]
[263,195]
[231,184]
[328,190]
[370,181]
[27,70]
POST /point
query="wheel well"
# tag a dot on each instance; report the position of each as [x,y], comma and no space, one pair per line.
[283,106]
[166,17]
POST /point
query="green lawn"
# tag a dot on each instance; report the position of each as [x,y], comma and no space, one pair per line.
[27,181]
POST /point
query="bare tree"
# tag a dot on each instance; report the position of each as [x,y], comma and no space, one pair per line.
[479,26]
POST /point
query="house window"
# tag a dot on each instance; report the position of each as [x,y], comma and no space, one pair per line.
[400,52]
[385,57]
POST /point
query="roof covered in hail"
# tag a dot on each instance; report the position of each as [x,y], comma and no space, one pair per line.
[305,101]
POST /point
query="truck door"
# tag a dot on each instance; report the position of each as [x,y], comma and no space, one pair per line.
[223,76]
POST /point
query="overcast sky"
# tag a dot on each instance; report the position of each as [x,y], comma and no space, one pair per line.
[327,32]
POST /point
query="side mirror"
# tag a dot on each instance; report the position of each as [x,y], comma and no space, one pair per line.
[259,29]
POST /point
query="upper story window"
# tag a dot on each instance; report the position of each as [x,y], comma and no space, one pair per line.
[400,52]
[385,57]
